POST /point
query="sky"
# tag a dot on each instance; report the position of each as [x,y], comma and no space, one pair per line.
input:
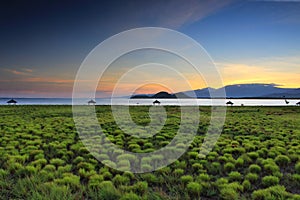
[43,43]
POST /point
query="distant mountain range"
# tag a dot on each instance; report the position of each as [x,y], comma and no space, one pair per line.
[255,90]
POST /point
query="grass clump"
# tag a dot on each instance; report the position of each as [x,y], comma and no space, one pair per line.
[94,181]
[268,181]
[105,190]
[203,177]
[282,160]
[186,179]
[57,162]
[69,179]
[252,177]
[274,192]
[271,168]
[141,187]
[228,167]
[246,185]
[254,168]
[234,176]
[49,168]
[121,180]
[231,191]
[194,188]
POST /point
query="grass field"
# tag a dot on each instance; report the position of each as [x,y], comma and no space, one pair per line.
[256,157]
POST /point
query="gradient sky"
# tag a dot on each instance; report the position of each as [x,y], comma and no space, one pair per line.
[42,43]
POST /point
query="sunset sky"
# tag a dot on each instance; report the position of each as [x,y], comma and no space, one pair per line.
[43,43]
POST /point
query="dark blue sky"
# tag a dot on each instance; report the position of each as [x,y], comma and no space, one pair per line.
[42,43]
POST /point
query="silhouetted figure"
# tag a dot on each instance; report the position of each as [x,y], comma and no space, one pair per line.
[229,103]
[156,102]
[91,102]
[12,102]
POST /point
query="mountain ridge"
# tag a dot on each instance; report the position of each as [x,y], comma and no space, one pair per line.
[253,90]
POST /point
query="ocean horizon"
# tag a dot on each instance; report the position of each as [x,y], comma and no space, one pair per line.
[127,101]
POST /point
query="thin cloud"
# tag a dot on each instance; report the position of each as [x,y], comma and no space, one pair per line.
[27,70]
[177,13]
[22,72]
[196,11]
[48,80]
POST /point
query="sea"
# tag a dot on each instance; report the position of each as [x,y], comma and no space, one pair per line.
[175,102]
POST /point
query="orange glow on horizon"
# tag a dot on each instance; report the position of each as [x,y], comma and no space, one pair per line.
[245,74]
[152,89]
[27,82]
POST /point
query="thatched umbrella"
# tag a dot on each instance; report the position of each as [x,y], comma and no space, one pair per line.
[91,102]
[229,103]
[156,102]
[12,102]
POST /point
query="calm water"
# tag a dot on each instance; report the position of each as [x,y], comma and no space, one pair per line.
[203,102]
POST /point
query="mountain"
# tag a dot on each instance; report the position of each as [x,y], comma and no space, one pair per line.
[200,93]
[163,95]
[141,96]
[254,90]
[160,95]
[293,93]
